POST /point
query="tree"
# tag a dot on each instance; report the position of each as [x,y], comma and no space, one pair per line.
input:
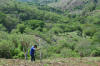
[2,28]
[33,24]
[2,17]
[20,28]
[10,23]
[26,42]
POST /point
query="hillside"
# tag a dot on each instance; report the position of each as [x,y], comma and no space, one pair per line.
[53,29]
[76,6]
[69,6]
[42,2]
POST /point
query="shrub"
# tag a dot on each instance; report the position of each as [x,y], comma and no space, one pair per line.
[2,28]
[21,55]
[89,29]
[65,52]
[84,47]
[96,37]
[5,49]
[33,24]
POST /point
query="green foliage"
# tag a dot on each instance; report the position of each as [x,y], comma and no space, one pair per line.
[62,35]
[96,52]
[16,53]
[68,53]
[2,16]
[5,49]
[89,29]
[72,27]
[20,28]
[57,30]
[84,47]
[20,55]
[2,28]
[9,22]
[96,37]
[92,6]
[33,24]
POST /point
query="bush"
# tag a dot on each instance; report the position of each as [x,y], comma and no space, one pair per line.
[18,54]
[68,53]
[33,24]
[5,49]
[95,49]
[96,37]
[2,28]
[20,28]
[56,30]
[21,55]
[89,29]
[84,47]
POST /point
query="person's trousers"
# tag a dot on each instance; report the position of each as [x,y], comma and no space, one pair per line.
[32,57]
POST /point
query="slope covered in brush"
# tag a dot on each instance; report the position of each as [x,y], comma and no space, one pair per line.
[22,24]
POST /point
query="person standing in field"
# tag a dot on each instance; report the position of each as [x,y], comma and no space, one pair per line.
[32,52]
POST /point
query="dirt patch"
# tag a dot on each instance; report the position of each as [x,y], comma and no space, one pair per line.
[56,62]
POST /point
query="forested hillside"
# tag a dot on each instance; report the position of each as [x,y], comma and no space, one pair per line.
[61,33]
[42,2]
[76,6]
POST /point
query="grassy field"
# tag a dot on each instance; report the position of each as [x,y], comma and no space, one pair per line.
[86,61]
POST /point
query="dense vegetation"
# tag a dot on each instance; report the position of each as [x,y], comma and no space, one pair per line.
[61,35]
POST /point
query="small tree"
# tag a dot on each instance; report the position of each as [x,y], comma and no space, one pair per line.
[26,42]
